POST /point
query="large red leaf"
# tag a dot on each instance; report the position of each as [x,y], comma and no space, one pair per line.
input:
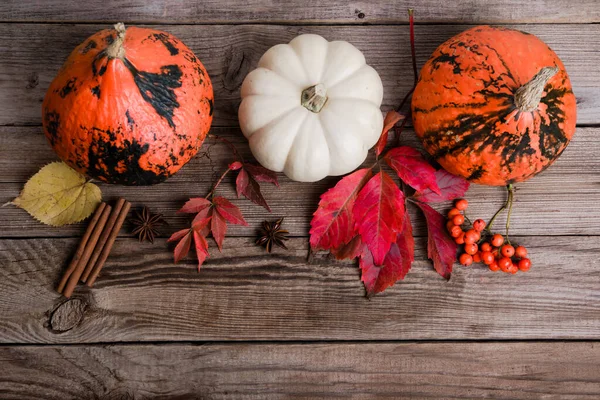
[183,247]
[412,168]
[248,186]
[379,213]
[201,248]
[261,174]
[218,227]
[333,224]
[451,187]
[441,248]
[406,243]
[195,205]
[377,279]
[229,211]
[391,119]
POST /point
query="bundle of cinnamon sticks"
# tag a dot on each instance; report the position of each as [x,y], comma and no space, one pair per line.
[95,246]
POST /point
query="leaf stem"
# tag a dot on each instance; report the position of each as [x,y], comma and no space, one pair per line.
[212,191]
[411,21]
[230,145]
[507,203]
[510,204]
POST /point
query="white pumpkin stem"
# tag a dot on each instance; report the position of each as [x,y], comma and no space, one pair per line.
[528,96]
[314,98]
[116,49]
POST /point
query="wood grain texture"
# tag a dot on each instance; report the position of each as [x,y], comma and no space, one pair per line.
[560,201]
[33,53]
[554,370]
[244,294]
[308,11]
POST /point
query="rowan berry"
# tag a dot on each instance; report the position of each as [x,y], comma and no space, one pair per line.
[513,269]
[461,204]
[485,246]
[465,259]
[477,257]
[521,252]
[471,248]
[494,267]
[479,225]
[507,250]
[487,257]
[524,264]
[460,239]
[497,240]
[472,236]
[458,220]
[453,212]
[456,231]
[450,225]
[504,264]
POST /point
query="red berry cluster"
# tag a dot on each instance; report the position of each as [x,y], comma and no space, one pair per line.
[493,252]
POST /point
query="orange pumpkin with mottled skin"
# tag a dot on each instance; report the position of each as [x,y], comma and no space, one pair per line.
[129,106]
[494,106]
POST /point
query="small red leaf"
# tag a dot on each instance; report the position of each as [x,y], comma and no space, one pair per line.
[201,248]
[178,235]
[261,174]
[333,224]
[350,250]
[195,205]
[377,279]
[451,187]
[200,224]
[441,248]
[229,211]
[379,214]
[203,214]
[234,166]
[218,227]
[391,119]
[249,187]
[412,168]
[183,247]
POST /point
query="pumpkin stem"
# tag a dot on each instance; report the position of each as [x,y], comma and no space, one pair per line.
[314,98]
[116,49]
[528,96]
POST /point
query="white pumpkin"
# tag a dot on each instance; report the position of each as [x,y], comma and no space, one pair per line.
[311,108]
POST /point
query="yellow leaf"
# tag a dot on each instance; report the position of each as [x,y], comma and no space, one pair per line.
[58,195]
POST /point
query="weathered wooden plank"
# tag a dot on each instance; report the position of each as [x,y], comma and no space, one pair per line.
[311,11]
[244,294]
[561,201]
[33,53]
[551,370]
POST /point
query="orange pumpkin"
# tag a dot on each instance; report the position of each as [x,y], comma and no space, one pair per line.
[129,106]
[494,105]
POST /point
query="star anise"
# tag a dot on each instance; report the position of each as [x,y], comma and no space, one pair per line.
[271,234]
[145,224]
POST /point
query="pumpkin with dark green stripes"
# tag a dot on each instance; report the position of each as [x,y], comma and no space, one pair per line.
[129,106]
[494,105]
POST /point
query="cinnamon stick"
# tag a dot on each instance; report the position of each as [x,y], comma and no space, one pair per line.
[109,244]
[103,239]
[81,247]
[87,251]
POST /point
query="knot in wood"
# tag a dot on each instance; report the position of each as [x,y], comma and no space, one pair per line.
[68,315]
[238,66]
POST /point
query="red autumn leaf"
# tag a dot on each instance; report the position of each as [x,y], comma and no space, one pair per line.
[218,227]
[183,247]
[201,248]
[229,211]
[234,166]
[451,187]
[391,119]
[406,243]
[195,205]
[441,248]
[249,187]
[377,279]
[178,235]
[379,214]
[350,250]
[205,213]
[412,168]
[261,174]
[333,224]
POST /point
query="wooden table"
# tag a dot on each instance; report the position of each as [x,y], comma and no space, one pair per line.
[253,325]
